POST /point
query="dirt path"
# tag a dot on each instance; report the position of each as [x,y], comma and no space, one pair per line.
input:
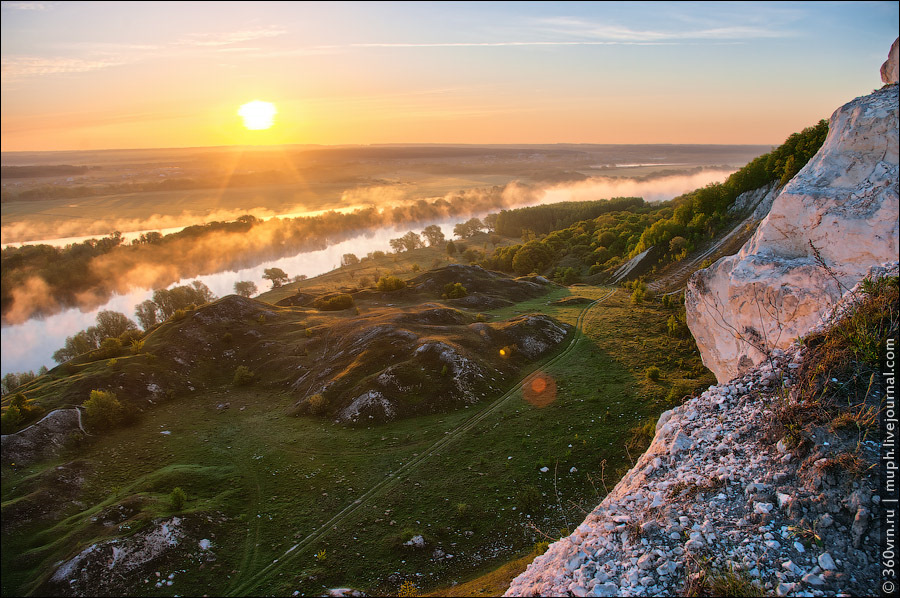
[391,479]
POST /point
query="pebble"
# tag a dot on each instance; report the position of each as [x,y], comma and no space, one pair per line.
[826,562]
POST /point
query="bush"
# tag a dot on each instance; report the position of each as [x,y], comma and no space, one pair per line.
[103,410]
[390,283]
[334,302]
[454,290]
[11,419]
[109,348]
[316,404]
[653,373]
[243,376]
[566,276]
[177,499]
[678,392]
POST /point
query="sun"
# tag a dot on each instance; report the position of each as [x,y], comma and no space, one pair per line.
[258,115]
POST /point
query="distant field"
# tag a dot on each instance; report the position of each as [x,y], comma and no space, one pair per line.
[232,182]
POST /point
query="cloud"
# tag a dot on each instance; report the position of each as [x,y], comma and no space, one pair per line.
[16,67]
[232,37]
[101,55]
[499,44]
[610,32]
[25,6]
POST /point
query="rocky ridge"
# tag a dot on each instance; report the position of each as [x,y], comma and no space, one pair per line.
[715,493]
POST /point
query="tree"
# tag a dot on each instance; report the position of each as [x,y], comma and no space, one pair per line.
[245,288]
[407,242]
[146,314]
[490,222]
[451,248]
[78,343]
[276,275]
[12,381]
[531,257]
[466,229]
[111,324]
[433,235]
[348,259]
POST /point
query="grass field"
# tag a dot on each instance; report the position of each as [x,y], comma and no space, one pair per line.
[259,482]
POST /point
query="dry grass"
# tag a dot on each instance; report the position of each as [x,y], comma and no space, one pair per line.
[839,378]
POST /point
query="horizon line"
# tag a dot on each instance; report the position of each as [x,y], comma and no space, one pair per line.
[386,144]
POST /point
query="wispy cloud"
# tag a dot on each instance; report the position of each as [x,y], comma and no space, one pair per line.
[230,37]
[591,30]
[16,67]
[25,6]
[500,44]
[101,55]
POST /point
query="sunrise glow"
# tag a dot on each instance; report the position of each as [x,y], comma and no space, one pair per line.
[258,115]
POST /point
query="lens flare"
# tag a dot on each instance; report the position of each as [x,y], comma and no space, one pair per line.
[540,390]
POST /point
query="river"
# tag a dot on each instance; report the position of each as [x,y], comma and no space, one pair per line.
[30,345]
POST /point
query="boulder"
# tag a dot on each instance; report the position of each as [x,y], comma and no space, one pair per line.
[889,68]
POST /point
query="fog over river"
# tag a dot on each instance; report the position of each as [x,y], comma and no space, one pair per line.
[30,345]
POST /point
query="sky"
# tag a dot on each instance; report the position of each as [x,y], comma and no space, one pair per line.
[105,75]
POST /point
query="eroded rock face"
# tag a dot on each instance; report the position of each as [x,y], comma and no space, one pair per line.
[829,224]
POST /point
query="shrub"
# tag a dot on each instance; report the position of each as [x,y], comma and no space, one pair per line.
[653,373]
[103,410]
[529,499]
[178,315]
[243,376]
[109,348]
[678,392]
[408,589]
[454,290]
[11,419]
[637,296]
[641,436]
[137,346]
[227,337]
[316,404]
[390,283]
[334,302]
[177,499]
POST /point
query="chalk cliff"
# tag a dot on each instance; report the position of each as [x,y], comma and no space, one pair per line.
[837,217]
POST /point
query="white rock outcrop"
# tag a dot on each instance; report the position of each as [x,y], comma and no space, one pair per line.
[839,211]
[714,491]
[889,69]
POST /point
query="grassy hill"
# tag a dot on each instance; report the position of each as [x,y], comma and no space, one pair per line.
[292,501]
